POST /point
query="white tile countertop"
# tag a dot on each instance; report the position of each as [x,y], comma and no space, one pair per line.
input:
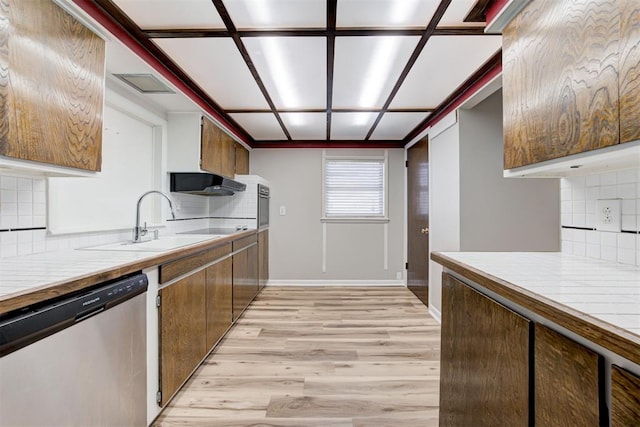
[30,279]
[603,290]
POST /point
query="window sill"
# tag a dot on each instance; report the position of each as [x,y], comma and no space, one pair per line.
[357,220]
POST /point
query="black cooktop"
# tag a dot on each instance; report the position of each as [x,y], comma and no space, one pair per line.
[230,230]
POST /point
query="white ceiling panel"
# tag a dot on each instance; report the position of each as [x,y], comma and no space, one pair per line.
[261,126]
[351,125]
[455,14]
[277,14]
[159,14]
[292,68]
[445,63]
[385,13]
[217,67]
[305,126]
[397,125]
[366,69]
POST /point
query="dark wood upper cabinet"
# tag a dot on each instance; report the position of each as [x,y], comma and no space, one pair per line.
[218,150]
[629,70]
[484,362]
[242,160]
[625,398]
[566,381]
[51,86]
[560,80]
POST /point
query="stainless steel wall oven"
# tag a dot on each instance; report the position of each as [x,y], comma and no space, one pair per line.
[263,206]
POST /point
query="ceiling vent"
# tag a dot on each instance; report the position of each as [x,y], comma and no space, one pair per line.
[144,83]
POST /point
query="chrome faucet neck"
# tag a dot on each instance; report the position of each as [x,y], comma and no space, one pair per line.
[138,231]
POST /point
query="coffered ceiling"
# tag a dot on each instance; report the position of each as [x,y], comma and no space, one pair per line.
[314,72]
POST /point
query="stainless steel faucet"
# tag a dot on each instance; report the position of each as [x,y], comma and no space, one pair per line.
[139,232]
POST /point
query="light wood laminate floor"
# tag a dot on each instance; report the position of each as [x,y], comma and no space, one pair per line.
[319,356]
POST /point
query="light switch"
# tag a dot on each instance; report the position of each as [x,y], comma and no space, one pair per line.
[283,210]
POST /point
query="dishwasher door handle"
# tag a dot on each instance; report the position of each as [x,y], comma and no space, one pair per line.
[91,312]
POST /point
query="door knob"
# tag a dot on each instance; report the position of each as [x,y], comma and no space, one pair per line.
[425,231]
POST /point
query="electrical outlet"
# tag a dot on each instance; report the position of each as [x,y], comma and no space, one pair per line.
[608,215]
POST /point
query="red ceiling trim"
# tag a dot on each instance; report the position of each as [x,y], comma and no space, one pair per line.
[494,9]
[471,89]
[330,144]
[128,40]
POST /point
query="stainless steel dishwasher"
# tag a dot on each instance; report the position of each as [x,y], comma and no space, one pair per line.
[77,361]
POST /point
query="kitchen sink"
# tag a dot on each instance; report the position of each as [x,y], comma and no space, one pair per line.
[164,243]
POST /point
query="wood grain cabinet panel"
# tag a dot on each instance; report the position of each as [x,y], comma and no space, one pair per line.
[629,73]
[242,160]
[240,283]
[625,398]
[263,258]
[219,300]
[182,324]
[51,86]
[484,369]
[560,80]
[217,153]
[566,381]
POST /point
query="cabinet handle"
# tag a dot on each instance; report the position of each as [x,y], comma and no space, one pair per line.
[425,231]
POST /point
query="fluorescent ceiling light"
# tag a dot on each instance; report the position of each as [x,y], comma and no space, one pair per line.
[385,55]
[362,119]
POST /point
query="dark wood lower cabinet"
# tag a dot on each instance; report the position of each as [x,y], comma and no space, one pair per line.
[219,300]
[245,273]
[625,398]
[484,371]
[182,325]
[566,375]
[263,258]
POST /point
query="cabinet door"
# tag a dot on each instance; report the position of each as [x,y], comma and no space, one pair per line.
[263,258]
[219,300]
[566,381]
[217,153]
[484,361]
[625,398]
[560,81]
[51,86]
[242,160]
[240,282]
[182,324]
[629,70]
[253,283]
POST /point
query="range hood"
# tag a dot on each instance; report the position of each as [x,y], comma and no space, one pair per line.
[204,184]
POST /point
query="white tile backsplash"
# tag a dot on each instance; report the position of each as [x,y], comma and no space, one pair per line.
[23,204]
[578,209]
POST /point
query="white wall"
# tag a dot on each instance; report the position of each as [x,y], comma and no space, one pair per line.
[354,252]
[473,207]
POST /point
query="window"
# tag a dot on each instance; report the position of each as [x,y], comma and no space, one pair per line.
[354,188]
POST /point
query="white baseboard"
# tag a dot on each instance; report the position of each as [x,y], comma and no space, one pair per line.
[335,283]
[435,313]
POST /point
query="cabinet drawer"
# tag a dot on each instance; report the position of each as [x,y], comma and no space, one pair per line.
[173,269]
[244,242]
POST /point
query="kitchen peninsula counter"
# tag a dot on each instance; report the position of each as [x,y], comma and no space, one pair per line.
[32,279]
[594,299]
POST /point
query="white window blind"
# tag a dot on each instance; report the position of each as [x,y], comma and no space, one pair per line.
[354,188]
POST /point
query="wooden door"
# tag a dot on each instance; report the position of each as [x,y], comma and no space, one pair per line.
[566,378]
[240,279]
[253,283]
[625,398]
[242,160]
[629,70]
[219,300]
[418,220]
[182,324]
[484,361]
[51,86]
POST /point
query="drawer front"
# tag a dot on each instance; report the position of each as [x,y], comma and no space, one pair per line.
[177,268]
[244,242]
